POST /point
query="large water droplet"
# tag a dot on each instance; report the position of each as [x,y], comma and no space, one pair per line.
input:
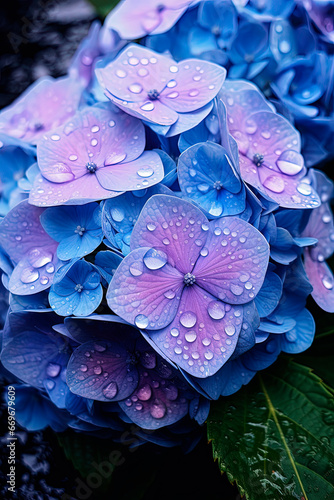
[141,321]
[188,319]
[155,259]
[148,106]
[39,257]
[327,281]
[274,183]
[97,370]
[190,336]
[216,309]
[117,214]
[304,188]
[236,289]
[52,370]
[29,275]
[135,88]
[230,330]
[50,268]
[158,409]
[170,294]
[145,172]
[136,268]
[144,393]
[110,390]
[290,162]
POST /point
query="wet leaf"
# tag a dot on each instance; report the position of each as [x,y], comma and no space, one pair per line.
[274,437]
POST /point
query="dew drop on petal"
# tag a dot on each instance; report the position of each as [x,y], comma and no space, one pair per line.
[170,294]
[274,183]
[52,370]
[230,330]
[117,214]
[304,189]
[151,227]
[190,336]
[148,106]
[158,409]
[135,88]
[136,268]
[110,390]
[216,309]
[188,319]
[155,259]
[141,321]
[29,275]
[144,393]
[145,172]
[290,162]
[327,281]
[236,289]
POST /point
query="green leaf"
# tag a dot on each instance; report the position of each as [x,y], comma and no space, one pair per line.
[103,7]
[275,436]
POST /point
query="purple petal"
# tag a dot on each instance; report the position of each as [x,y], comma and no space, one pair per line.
[203,334]
[321,226]
[321,278]
[95,135]
[147,297]
[174,226]
[144,172]
[236,261]
[44,106]
[156,402]
[99,370]
[133,19]
[197,82]
[76,192]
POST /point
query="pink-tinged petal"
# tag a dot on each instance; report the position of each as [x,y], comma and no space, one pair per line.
[286,190]
[133,19]
[321,278]
[241,99]
[96,135]
[145,290]
[77,192]
[21,233]
[28,279]
[193,85]
[100,370]
[136,71]
[156,402]
[151,111]
[234,265]
[186,121]
[144,172]
[45,105]
[203,334]
[321,226]
[173,226]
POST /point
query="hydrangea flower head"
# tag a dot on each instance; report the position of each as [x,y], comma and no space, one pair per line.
[202,274]
[159,90]
[97,155]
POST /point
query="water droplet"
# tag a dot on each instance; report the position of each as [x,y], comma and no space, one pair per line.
[274,183]
[133,61]
[117,214]
[218,231]
[135,88]
[52,370]
[39,257]
[121,73]
[216,309]
[29,275]
[144,393]
[290,162]
[55,137]
[166,241]
[155,259]
[208,355]
[148,106]
[230,330]
[95,128]
[173,69]
[174,332]
[266,134]
[190,336]
[73,157]
[204,252]
[145,172]
[188,319]
[170,294]
[97,370]
[141,321]
[327,281]
[158,409]
[150,226]
[50,268]
[110,390]
[284,46]
[172,95]
[236,289]
[44,280]
[205,226]
[171,84]
[304,188]
[50,384]
[111,123]
[83,368]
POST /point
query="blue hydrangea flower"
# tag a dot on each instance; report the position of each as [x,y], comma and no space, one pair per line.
[76,228]
[76,289]
[202,274]
[207,176]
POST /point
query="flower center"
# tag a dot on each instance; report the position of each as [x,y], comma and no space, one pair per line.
[258,159]
[91,167]
[153,94]
[78,288]
[80,230]
[189,279]
[218,185]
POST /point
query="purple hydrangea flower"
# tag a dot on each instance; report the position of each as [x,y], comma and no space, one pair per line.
[186,280]
[32,251]
[269,147]
[97,155]
[47,104]
[162,92]
[133,19]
